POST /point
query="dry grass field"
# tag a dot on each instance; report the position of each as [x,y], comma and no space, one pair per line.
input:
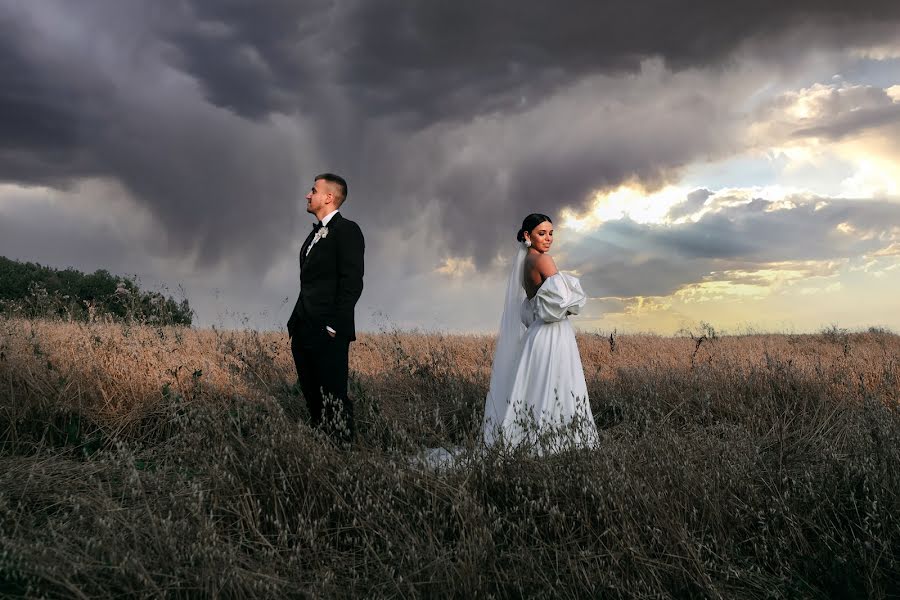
[148,461]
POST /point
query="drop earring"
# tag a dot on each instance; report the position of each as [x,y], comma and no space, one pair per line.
[528,243]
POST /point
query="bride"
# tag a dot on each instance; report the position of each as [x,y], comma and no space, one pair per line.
[538,396]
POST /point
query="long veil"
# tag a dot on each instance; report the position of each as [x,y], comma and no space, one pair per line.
[506,354]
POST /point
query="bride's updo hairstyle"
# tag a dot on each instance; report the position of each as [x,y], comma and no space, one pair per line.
[530,222]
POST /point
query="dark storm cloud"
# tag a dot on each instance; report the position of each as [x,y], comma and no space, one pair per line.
[630,259]
[375,73]
[831,112]
[42,117]
[212,113]
[692,204]
[854,122]
[437,60]
[98,100]
[253,58]
[657,276]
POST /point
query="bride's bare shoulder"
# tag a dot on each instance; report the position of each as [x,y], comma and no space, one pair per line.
[544,264]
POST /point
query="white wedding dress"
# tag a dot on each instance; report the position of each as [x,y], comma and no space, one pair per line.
[538,395]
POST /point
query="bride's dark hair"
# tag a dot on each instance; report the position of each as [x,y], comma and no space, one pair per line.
[530,222]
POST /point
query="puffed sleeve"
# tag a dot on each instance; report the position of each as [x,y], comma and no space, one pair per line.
[558,296]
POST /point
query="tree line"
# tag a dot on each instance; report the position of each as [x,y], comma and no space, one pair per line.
[32,290]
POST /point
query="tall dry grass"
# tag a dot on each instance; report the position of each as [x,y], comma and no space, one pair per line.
[150,461]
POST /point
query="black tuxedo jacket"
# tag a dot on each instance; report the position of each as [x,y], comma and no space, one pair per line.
[331,281]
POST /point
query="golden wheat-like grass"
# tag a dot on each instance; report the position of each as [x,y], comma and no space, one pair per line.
[123,363]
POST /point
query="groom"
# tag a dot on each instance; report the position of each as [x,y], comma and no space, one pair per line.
[321,326]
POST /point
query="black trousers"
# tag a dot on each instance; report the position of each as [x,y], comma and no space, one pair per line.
[322,369]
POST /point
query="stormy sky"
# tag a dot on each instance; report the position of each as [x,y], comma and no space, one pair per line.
[734,163]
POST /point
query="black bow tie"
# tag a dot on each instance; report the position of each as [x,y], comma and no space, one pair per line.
[317,226]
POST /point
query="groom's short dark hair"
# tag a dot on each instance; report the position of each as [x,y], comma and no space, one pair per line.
[337,179]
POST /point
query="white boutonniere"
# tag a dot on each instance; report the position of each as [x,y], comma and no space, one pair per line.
[321,234]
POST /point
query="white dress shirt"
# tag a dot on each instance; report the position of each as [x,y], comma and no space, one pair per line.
[328,217]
